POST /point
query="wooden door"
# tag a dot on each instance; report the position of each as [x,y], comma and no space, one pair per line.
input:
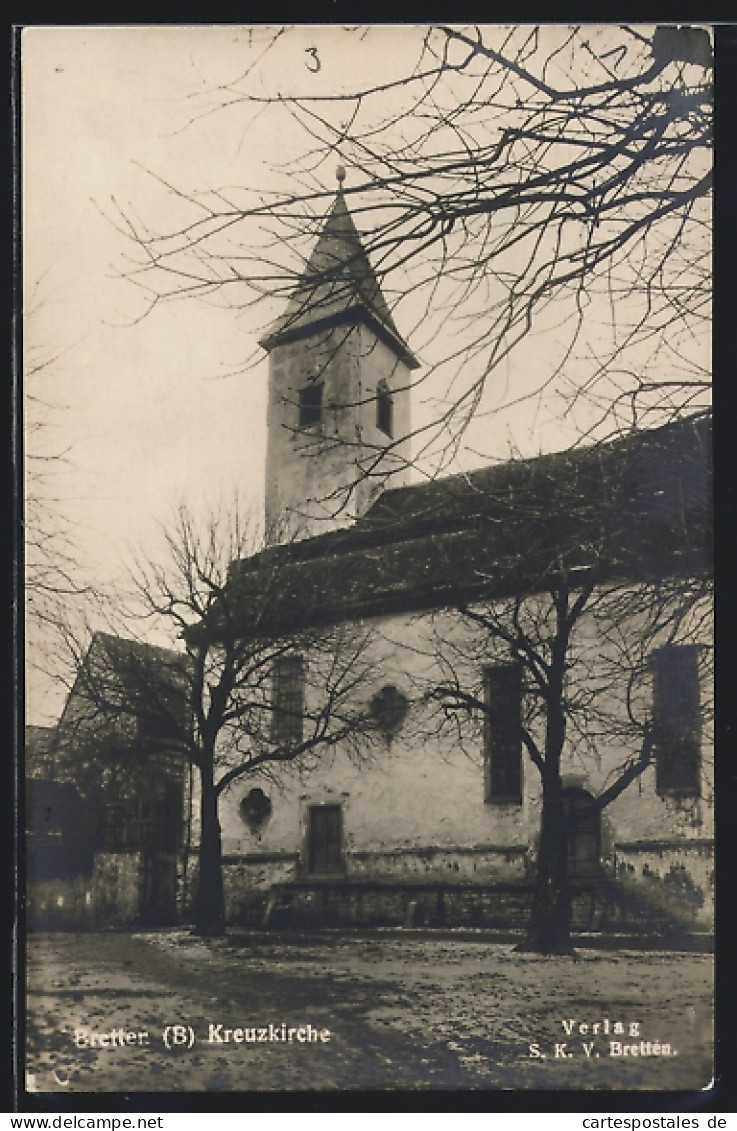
[325,853]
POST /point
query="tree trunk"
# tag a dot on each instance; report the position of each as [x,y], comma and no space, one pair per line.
[549,929]
[210,902]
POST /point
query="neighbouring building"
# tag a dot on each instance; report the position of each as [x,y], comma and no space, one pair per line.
[105,800]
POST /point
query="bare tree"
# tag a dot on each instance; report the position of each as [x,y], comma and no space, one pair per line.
[597,571]
[510,181]
[217,705]
[53,577]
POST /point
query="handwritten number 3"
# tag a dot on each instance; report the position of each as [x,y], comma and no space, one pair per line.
[312,51]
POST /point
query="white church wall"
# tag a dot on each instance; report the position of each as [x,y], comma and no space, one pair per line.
[413,808]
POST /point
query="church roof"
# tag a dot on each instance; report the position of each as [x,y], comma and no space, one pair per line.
[665,468]
[338,285]
[634,508]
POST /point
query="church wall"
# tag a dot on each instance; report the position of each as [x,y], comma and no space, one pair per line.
[413,809]
[661,847]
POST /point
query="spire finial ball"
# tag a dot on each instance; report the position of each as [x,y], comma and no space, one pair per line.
[340,175]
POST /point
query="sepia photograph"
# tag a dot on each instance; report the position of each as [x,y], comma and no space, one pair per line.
[367,571]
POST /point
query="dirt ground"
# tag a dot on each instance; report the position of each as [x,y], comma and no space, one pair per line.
[402,1011]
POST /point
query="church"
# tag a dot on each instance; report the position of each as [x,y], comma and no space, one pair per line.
[474,630]
[463,589]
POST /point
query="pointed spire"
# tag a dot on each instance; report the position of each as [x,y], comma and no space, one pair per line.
[338,285]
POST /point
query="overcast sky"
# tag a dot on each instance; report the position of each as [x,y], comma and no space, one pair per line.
[159,408]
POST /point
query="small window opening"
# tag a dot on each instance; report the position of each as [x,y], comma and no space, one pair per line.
[310,406]
[384,409]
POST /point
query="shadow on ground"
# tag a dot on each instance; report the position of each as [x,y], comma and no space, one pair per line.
[402,1012]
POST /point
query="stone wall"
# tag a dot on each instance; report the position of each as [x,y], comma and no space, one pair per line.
[351,903]
[247,882]
[675,878]
[119,892]
[61,904]
[354,904]
[480,863]
[376,888]
[117,887]
[108,897]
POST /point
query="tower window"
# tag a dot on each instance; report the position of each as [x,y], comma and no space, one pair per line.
[677,720]
[384,409]
[310,405]
[502,734]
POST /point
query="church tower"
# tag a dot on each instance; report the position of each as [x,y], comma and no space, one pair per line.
[339,391]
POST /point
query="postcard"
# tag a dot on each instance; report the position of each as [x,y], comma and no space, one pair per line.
[368,582]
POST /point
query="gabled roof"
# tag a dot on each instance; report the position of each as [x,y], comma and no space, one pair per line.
[129,666]
[120,650]
[338,285]
[634,508]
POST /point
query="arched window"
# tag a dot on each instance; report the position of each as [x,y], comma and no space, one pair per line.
[502,689]
[677,720]
[384,409]
[287,700]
